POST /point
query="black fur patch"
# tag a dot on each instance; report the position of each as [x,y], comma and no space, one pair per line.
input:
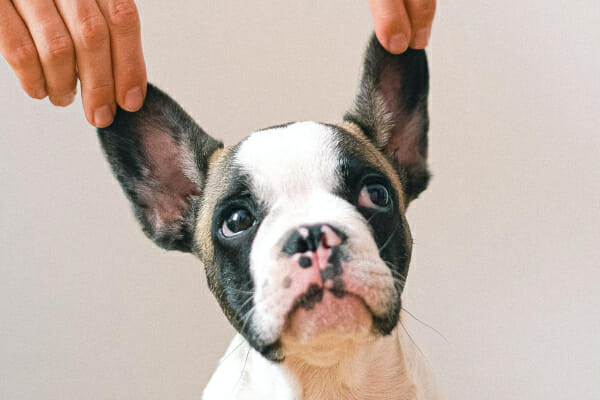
[234,287]
[391,109]
[312,296]
[387,225]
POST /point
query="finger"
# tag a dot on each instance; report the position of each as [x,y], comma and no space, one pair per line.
[420,13]
[19,51]
[54,47]
[89,33]
[129,68]
[392,25]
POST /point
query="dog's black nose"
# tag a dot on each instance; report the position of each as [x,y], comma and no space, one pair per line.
[310,237]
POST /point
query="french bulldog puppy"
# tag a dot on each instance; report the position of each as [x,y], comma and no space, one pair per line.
[301,229]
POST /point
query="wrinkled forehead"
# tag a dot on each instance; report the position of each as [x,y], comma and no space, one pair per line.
[291,160]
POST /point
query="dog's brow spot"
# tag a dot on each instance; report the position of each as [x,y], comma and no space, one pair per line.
[305,262]
[287,282]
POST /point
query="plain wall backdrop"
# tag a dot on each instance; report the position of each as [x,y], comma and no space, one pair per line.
[507,239]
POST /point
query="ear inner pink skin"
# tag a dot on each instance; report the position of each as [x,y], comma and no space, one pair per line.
[404,143]
[171,188]
[402,140]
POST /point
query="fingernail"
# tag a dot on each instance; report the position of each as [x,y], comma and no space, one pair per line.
[103,116]
[134,99]
[398,43]
[422,37]
[64,100]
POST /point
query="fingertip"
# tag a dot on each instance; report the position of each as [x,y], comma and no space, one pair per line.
[398,43]
[395,43]
[133,99]
[64,100]
[421,38]
[102,116]
[393,34]
[38,93]
[89,116]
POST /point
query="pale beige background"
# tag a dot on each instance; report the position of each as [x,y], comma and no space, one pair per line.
[507,238]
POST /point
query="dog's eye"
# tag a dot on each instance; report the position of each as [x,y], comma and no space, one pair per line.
[237,222]
[374,195]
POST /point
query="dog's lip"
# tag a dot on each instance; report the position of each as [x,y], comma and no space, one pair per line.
[298,301]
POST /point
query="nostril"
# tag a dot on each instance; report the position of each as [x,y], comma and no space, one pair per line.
[302,246]
[315,234]
[296,243]
[309,238]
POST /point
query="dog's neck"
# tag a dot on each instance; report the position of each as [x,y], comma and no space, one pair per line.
[373,370]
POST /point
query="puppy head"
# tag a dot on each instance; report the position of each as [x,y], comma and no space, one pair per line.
[301,227]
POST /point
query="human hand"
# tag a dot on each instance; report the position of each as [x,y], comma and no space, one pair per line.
[50,44]
[402,23]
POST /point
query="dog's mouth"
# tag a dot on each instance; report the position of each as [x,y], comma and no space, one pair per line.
[324,318]
[327,310]
[314,295]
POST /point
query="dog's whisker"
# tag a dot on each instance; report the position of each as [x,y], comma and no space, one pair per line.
[232,351]
[412,340]
[402,282]
[240,291]
[376,213]
[246,318]
[397,276]
[245,303]
[389,239]
[243,368]
[425,324]
[393,270]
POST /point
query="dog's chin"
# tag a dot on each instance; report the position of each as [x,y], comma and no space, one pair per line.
[329,326]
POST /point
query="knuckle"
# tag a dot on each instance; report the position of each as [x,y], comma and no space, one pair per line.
[123,15]
[93,32]
[22,55]
[98,92]
[99,88]
[59,47]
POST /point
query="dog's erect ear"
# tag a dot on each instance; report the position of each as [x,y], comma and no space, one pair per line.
[160,157]
[391,109]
